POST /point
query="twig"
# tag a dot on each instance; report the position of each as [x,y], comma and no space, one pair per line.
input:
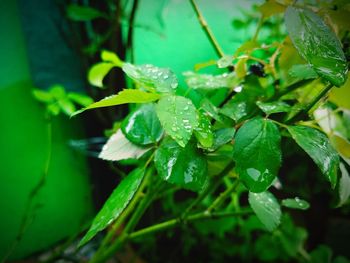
[207,30]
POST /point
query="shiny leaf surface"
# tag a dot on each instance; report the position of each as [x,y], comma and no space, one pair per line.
[118,147]
[115,204]
[318,147]
[185,167]
[266,208]
[274,107]
[295,203]
[142,125]
[317,44]
[160,79]
[203,131]
[257,153]
[178,117]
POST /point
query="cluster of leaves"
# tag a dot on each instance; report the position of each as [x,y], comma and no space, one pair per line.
[236,143]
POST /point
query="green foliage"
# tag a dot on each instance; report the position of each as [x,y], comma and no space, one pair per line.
[228,151]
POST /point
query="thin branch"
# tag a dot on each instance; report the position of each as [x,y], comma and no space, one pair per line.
[177,221]
[207,30]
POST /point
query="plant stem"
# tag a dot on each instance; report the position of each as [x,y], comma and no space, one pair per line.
[290,88]
[310,105]
[176,221]
[129,42]
[207,30]
[211,188]
[223,196]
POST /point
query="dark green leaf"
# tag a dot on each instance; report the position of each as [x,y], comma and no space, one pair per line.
[274,107]
[266,208]
[257,153]
[295,203]
[185,167]
[123,97]
[160,79]
[83,13]
[203,131]
[318,147]
[178,117]
[322,254]
[317,44]
[222,136]
[142,125]
[115,204]
[303,71]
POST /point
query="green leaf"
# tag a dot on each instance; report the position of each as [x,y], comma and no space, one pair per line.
[302,71]
[257,153]
[83,13]
[58,92]
[211,110]
[66,106]
[142,125]
[274,107]
[210,82]
[225,61]
[185,167]
[160,79]
[318,147]
[344,185]
[118,147]
[115,204]
[270,8]
[322,254]
[178,117]
[317,44]
[221,137]
[42,96]
[109,56]
[80,99]
[266,208]
[123,97]
[98,72]
[203,131]
[295,203]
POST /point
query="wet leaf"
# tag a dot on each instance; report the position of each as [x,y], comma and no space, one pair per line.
[318,147]
[266,208]
[274,107]
[118,147]
[257,153]
[317,44]
[83,13]
[178,117]
[221,137]
[185,167]
[115,204]
[302,71]
[123,97]
[295,203]
[160,79]
[207,81]
[344,185]
[225,61]
[203,131]
[142,125]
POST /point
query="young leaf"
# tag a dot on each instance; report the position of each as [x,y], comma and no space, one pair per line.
[302,71]
[142,125]
[318,147]
[295,203]
[270,8]
[115,204]
[83,13]
[317,44]
[185,167]
[161,79]
[257,153]
[43,96]
[80,99]
[274,107]
[344,185]
[178,117]
[109,56]
[118,147]
[266,208]
[123,97]
[203,131]
[97,73]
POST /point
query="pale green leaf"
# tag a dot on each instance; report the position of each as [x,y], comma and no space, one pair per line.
[98,72]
